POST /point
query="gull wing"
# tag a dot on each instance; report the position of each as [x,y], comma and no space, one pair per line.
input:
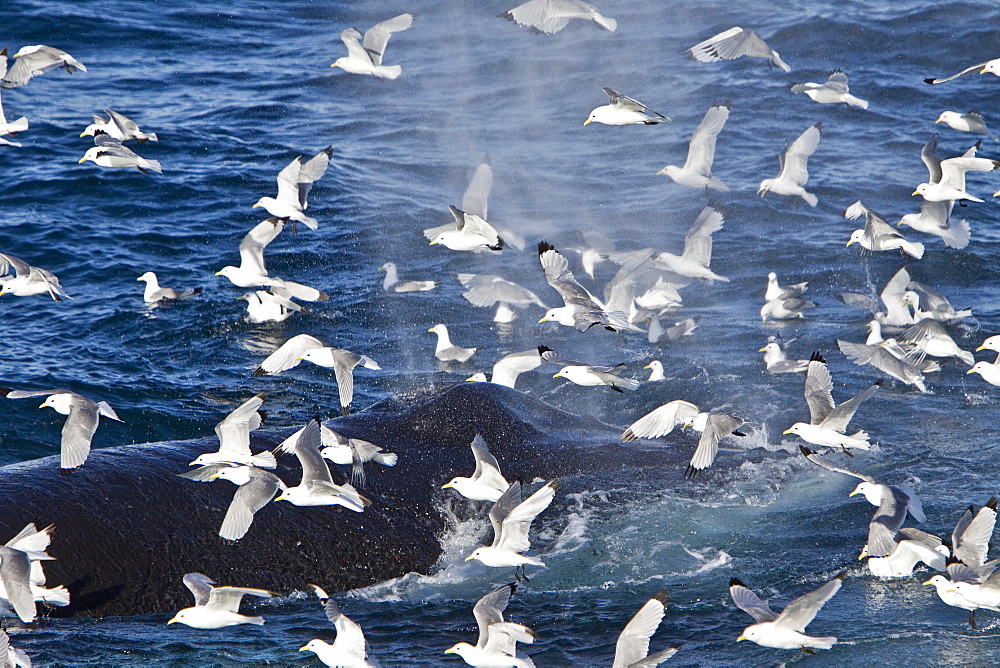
[350,638]
[77,432]
[661,421]
[247,500]
[252,245]
[477,194]
[33,64]
[929,155]
[837,82]
[488,292]
[344,362]
[15,573]
[378,35]
[818,389]
[128,127]
[717,426]
[514,533]
[701,148]
[797,614]
[750,603]
[734,43]
[971,538]
[883,360]
[631,104]
[287,356]
[633,641]
[840,417]
[795,159]
[955,76]
[351,38]
[234,430]
[502,508]
[288,183]
[953,169]
[200,585]
[821,460]
[537,17]
[489,610]
[483,456]
[509,367]
[307,447]
[698,240]
[887,521]
[959,572]
[875,225]
[310,172]
[558,275]
[228,598]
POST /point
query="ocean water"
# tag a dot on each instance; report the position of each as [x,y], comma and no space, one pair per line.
[236,90]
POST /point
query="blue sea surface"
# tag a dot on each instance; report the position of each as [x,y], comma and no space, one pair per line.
[236,90]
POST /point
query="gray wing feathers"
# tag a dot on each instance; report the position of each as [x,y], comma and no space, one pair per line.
[701,148]
[633,642]
[750,603]
[489,610]
[15,570]
[77,432]
[200,586]
[477,194]
[249,498]
[802,610]
[818,391]
[378,35]
[841,416]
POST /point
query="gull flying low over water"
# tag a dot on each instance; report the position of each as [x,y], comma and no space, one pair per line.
[785,630]
[486,483]
[509,367]
[339,449]
[834,90]
[893,503]
[471,233]
[349,649]
[935,217]
[930,338]
[81,421]
[878,235]
[776,361]
[580,308]
[310,349]
[118,126]
[253,273]
[366,57]
[550,16]
[216,607]
[28,280]
[827,421]
[697,255]
[712,426]
[697,169]
[624,110]
[294,183]
[951,186]
[153,293]
[31,61]
[511,519]
[888,356]
[970,121]
[497,642]
[589,375]
[632,648]
[255,489]
[109,152]
[990,66]
[735,43]
[794,172]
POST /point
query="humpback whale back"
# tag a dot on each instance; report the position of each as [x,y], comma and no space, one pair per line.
[127,528]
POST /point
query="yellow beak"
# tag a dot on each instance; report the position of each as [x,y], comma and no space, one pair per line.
[218,273]
[935,123]
[255,206]
[985,71]
[914,193]
[83,159]
[557,375]
[587,122]
[334,65]
[741,639]
[849,243]
[788,431]
[469,558]
[762,349]
[172,621]
[970,371]
[83,134]
[446,485]
[544,320]
[853,493]
[928,583]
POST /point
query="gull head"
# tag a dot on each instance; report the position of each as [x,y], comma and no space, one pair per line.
[91,154]
[458,649]
[476,554]
[871,492]
[978,366]
[263,202]
[856,237]
[60,403]
[991,343]
[795,428]
[670,170]
[752,632]
[238,475]
[478,377]
[226,271]
[947,116]
[921,189]
[25,50]
[938,580]
[316,645]
[765,187]
[181,617]
[992,67]
[451,483]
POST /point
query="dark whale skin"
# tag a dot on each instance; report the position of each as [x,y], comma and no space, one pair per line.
[127,528]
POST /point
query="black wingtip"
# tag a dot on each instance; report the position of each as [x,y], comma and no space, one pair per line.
[736,582]
[879,382]
[627,436]
[930,81]
[690,472]
[816,357]
[737,432]
[992,503]
[806,451]
[259,371]
[661,596]
[344,411]
[616,388]
[544,349]
[544,247]
[554,484]
[842,575]
[4,391]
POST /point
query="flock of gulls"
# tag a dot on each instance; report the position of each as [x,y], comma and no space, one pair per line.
[645,290]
